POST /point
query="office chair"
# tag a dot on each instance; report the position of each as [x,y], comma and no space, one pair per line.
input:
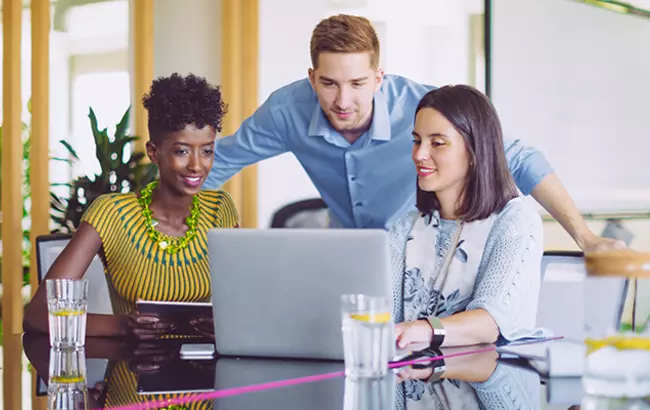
[562,303]
[48,248]
[309,213]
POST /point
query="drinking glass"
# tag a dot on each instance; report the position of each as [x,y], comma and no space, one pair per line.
[67,304]
[368,336]
[370,394]
[67,388]
[617,338]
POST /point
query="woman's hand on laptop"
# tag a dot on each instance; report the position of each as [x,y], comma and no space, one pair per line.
[147,327]
[418,331]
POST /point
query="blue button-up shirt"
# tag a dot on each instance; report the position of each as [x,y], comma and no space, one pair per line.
[366,184]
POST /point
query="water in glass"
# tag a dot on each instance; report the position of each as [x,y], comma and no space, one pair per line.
[368,336]
[67,304]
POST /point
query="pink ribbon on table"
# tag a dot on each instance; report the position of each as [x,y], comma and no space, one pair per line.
[235,391]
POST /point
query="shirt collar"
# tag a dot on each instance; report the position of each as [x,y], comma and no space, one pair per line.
[319,125]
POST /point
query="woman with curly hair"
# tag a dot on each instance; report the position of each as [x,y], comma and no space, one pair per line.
[153,243]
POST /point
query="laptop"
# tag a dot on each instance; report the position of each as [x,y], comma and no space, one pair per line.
[276,292]
[232,373]
[180,376]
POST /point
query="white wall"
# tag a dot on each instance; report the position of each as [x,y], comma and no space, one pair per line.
[187,38]
[284,58]
[425,40]
[572,80]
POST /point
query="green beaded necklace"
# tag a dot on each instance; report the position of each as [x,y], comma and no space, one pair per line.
[167,243]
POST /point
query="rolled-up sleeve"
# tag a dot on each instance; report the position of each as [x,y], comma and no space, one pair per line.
[527,165]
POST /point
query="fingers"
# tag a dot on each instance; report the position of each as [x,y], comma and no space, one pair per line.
[151,320]
[605,244]
[152,363]
[150,325]
[399,330]
[402,335]
[404,340]
[408,334]
[144,349]
[413,374]
[150,331]
[206,321]
[148,334]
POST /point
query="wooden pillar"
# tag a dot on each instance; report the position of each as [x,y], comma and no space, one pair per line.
[239,80]
[39,151]
[231,81]
[142,65]
[40,141]
[12,206]
[250,97]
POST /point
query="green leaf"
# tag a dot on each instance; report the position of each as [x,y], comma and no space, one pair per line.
[71,150]
[66,160]
[102,149]
[132,172]
[123,125]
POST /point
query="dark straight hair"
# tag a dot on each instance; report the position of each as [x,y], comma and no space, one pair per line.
[488,185]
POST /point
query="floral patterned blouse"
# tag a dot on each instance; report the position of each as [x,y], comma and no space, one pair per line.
[496,267]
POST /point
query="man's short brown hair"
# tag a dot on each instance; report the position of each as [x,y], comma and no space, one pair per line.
[344,34]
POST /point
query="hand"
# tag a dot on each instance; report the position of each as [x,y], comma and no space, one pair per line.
[598,244]
[150,357]
[409,373]
[418,331]
[204,325]
[95,394]
[147,327]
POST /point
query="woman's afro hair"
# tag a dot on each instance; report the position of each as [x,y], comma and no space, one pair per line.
[177,101]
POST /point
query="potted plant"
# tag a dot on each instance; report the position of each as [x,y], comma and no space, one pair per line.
[122,170]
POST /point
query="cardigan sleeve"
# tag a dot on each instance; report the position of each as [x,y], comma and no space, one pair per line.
[398,236]
[509,388]
[508,281]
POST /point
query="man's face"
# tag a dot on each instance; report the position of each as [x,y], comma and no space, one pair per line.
[345,84]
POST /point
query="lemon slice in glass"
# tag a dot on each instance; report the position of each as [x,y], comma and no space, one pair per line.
[67,379]
[619,343]
[371,317]
[68,312]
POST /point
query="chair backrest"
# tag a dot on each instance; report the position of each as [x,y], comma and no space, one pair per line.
[561,300]
[562,295]
[48,248]
[308,214]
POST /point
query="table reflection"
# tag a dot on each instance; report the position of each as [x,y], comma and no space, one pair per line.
[120,374]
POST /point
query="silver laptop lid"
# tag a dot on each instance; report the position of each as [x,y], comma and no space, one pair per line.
[276,293]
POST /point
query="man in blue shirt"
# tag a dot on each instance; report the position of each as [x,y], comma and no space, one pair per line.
[349,126]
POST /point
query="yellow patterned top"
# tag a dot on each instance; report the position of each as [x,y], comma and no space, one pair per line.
[136,268]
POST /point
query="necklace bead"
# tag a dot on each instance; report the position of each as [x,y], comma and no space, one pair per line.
[167,243]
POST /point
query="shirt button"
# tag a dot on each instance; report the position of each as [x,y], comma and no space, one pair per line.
[359,204]
[353,179]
